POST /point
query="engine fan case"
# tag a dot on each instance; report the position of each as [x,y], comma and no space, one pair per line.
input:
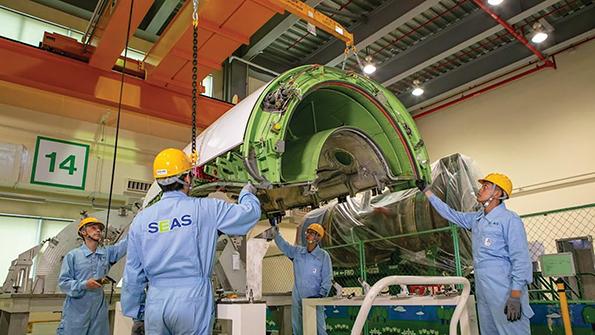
[310,135]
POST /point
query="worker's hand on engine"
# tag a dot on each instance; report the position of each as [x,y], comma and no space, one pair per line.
[249,188]
[92,283]
[422,185]
[513,309]
[271,233]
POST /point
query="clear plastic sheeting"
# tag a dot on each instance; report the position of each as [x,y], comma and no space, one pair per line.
[400,232]
[13,159]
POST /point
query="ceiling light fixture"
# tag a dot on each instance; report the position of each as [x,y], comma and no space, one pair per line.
[539,34]
[495,2]
[369,68]
[417,90]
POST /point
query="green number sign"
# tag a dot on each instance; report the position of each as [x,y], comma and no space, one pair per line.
[67,164]
[60,163]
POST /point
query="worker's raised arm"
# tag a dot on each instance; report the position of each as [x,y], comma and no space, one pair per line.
[518,248]
[117,251]
[286,248]
[461,219]
[135,280]
[238,219]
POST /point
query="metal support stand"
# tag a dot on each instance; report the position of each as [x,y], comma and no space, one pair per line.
[286,327]
[246,319]
[13,323]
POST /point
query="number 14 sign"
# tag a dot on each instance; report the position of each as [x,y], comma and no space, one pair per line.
[60,163]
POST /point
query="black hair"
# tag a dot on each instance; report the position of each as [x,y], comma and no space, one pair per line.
[503,193]
[176,186]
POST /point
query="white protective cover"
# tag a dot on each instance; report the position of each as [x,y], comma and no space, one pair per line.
[227,132]
[220,137]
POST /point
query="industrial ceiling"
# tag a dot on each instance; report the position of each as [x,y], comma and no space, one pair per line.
[444,44]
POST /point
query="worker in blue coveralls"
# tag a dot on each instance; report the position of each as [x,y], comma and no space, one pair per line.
[82,277]
[171,250]
[502,265]
[312,273]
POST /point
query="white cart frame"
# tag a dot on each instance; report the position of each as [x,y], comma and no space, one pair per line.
[413,280]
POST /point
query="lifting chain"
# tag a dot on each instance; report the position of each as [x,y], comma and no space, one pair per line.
[194,77]
[347,53]
[345,56]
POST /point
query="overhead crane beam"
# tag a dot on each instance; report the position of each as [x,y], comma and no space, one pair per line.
[223,26]
[40,69]
[109,37]
[318,19]
[158,58]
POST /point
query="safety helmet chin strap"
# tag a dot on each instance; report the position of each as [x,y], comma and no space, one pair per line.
[315,239]
[175,179]
[88,236]
[486,203]
[94,239]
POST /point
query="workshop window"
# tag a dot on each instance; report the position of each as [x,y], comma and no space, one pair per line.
[29,30]
[18,234]
[208,85]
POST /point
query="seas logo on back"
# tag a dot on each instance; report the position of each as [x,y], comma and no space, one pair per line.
[167,225]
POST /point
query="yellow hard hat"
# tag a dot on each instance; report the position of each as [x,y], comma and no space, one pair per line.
[317,228]
[499,180]
[170,162]
[89,220]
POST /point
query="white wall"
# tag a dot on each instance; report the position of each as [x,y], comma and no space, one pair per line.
[254,84]
[539,130]
[28,113]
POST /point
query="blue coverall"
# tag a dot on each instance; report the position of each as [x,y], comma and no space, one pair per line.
[172,249]
[85,310]
[501,263]
[313,276]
